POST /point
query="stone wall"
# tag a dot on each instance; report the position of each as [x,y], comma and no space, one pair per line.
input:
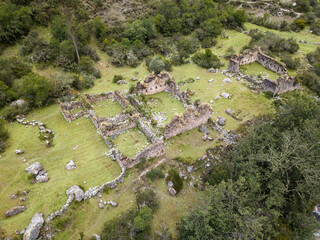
[68,108]
[283,84]
[154,150]
[121,99]
[91,98]
[146,129]
[253,55]
[154,84]
[193,117]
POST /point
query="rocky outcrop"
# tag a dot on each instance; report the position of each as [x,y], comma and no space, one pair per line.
[33,230]
[34,169]
[76,192]
[15,210]
[192,118]
[70,165]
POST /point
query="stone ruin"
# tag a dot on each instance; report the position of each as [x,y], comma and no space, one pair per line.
[255,55]
[68,108]
[192,118]
[283,84]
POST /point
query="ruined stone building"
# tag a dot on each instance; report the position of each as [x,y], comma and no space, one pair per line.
[283,84]
[192,118]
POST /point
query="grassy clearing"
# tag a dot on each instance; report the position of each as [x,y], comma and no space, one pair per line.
[92,165]
[131,142]
[256,69]
[165,104]
[189,145]
[107,108]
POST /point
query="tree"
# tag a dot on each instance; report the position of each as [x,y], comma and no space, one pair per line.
[59,28]
[212,27]
[156,65]
[36,89]
[207,59]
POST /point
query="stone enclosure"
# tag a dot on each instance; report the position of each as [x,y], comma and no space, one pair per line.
[283,84]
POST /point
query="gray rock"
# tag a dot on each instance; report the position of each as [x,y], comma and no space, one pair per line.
[225,95]
[18,103]
[211,70]
[210,81]
[170,184]
[172,191]
[216,98]
[112,203]
[77,192]
[34,169]
[221,121]
[70,165]
[198,78]
[33,230]
[121,82]
[96,236]
[15,210]
[101,206]
[190,169]
[42,176]
[134,79]
[19,151]
[227,80]
[204,129]
[229,111]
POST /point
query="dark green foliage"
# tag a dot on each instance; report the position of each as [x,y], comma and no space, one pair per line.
[142,220]
[4,135]
[211,27]
[310,80]
[116,78]
[314,57]
[272,43]
[154,174]
[59,28]
[35,88]
[271,189]
[60,223]
[12,68]
[156,65]
[175,178]
[207,59]
[315,27]
[86,65]
[100,28]
[10,112]
[15,21]
[290,62]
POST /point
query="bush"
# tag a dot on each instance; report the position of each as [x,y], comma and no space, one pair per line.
[116,78]
[149,198]
[155,173]
[10,112]
[175,178]
[290,62]
[207,59]
[4,135]
[156,65]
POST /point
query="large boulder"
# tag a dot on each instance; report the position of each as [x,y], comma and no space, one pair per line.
[34,169]
[15,210]
[172,191]
[225,95]
[19,151]
[33,230]
[42,176]
[71,165]
[221,121]
[77,192]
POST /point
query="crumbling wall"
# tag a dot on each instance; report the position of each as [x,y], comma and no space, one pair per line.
[68,108]
[193,117]
[145,128]
[154,84]
[154,150]
[284,84]
[253,55]
[121,99]
[91,98]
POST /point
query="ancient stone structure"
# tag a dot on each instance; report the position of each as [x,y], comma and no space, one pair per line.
[15,210]
[121,99]
[155,84]
[255,55]
[68,108]
[283,84]
[91,98]
[193,117]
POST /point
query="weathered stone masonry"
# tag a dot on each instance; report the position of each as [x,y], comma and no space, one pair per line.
[192,118]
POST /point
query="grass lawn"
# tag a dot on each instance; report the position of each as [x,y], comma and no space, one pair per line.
[189,145]
[107,108]
[131,142]
[255,69]
[165,106]
[92,165]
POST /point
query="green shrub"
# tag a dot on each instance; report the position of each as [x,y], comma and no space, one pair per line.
[147,197]
[207,59]
[116,78]
[175,178]
[60,223]
[155,173]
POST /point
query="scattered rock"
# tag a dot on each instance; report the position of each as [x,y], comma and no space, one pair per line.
[121,82]
[112,203]
[229,111]
[170,184]
[75,147]
[198,78]
[96,236]
[216,98]
[77,192]
[134,79]
[172,191]
[101,206]
[204,129]
[33,230]
[227,80]
[210,81]
[42,176]
[190,169]
[19,151]
[34,169]
[70,165]
[225,95]
[15,210]
[221,121]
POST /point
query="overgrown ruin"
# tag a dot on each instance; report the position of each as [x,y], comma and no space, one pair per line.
[283,84]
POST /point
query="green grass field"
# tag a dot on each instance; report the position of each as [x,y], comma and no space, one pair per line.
[107,108]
